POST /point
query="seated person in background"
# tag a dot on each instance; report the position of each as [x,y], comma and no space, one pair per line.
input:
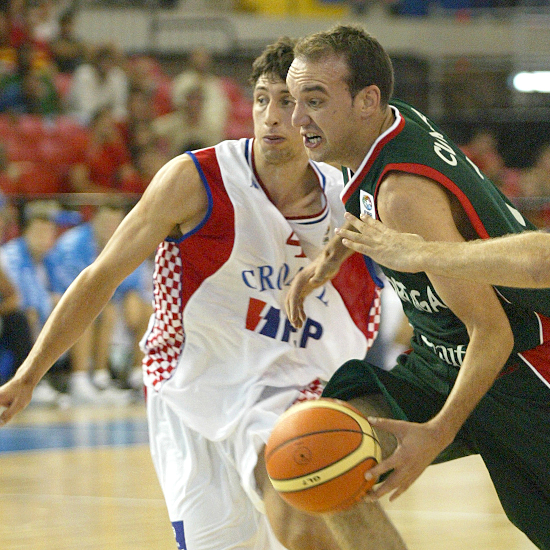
[534,188]
[68,52]
[200,72]
[75,250]
[15,334]
[106,164]
[30,89]
[192,125]
[22,259]
[98,84]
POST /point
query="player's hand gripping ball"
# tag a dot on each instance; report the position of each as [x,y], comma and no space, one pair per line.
[318,453]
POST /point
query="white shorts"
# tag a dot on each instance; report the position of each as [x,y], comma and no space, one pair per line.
[209,486]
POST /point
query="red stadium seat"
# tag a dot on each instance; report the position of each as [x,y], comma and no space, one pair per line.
[39,179]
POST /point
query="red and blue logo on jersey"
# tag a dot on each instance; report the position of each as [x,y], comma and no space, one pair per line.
[271,322]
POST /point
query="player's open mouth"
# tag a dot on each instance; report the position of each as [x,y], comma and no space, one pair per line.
[312,140]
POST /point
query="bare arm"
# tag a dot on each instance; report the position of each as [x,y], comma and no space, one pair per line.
[521,260]
[476,305]
[316,274]
[175,197]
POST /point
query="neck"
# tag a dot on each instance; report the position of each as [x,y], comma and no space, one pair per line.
[292,185]
[373,130]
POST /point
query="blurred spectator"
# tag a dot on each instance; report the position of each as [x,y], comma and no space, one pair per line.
[15,335]
[68,51]
[19,24]
[215,104]
[22,259]
[106,165]
[43,22]
[76,249]
[30,89]
[146,76]
[482,150]
[7,51]
[535,180]
[98,84]
[534,189]
[191,126]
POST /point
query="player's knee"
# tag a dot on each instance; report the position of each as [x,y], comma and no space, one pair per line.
[298,531]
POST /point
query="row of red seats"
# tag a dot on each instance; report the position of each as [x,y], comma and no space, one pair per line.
[38,152]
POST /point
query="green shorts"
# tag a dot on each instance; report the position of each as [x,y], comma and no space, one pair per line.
[510,427]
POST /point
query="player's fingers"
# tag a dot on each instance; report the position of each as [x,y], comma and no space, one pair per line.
[395,427]
[355,222]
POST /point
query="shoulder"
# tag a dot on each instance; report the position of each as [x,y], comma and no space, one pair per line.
[404,197]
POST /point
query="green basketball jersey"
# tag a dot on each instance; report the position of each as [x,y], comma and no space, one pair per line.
[414,144]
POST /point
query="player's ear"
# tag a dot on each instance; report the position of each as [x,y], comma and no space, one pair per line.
[368,100]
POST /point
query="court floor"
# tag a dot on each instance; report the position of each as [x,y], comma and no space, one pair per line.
[83,478]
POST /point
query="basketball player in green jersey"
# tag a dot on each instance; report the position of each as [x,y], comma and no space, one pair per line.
[477,379]
[518,260]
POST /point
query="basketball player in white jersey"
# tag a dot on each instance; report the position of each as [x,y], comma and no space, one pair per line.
[235,223]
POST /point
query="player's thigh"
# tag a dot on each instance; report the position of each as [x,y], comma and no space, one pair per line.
[375,404]
[205,500]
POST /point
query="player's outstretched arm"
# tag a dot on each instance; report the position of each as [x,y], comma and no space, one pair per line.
[316,274]
[399,251]
[174,197]
[520,260]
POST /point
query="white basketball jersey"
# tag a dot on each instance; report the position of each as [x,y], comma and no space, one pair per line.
[219,335]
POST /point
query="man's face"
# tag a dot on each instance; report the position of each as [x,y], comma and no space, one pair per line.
[325,111]
[278,140]
[40,236]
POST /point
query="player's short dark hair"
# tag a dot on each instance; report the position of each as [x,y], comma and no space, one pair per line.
[366,59]
[274,61]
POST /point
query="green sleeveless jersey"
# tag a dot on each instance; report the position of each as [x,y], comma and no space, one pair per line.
[414,144]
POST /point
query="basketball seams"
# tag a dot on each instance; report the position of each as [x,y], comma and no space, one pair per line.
[301,436]
[332,477]
[318,477]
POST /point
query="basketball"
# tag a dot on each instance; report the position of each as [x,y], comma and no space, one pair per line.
[318,453]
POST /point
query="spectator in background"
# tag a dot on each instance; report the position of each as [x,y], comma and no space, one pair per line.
[146,76]
[22,259]
[31,88]
[482,150]
[98,84]
[68,51]
[75,250]
[534,189]
[7,51]
[15,334]
[106,164]
[215,102]
[192,125]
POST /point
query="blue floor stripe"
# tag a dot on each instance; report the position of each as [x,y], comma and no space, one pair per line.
[73,435]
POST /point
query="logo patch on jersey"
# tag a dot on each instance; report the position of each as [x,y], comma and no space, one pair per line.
[366,203]
[271,322]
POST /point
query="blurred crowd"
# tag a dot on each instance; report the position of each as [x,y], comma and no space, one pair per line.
[50,248]
[80,117]
[528,188]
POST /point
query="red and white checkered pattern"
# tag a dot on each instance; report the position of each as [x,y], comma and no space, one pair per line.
[374,317]
[165,341]
[312,391]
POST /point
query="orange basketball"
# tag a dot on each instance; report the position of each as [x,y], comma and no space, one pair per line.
[318,453]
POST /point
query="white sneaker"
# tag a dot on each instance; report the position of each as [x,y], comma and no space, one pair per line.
[44,394]
[83,392]
[101,378]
